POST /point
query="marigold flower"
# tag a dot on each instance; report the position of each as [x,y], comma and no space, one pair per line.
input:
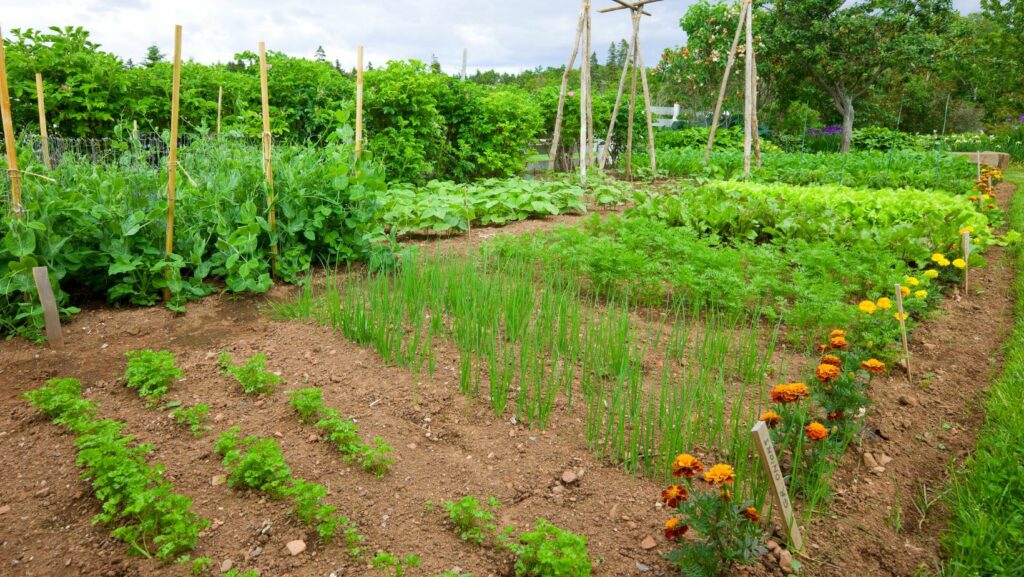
[944,262]
[900,316]
[931,273]
[837,333]
[867,307]
[771,418]
[938,256]
[720,474]
[905,290]
[673,495]
[972,198]
[873,366]
[921,294]
[992,206]
[966,229]
[959,263]
[834,415]
[815,431]
[911,281]
[675,529]
[790,393]
[831,360]
[838,343]
[884,303]
[751,513]
[827,373]
[686,465]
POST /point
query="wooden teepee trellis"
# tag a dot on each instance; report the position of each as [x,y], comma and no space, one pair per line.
[635,61]
[750,139]
[586,103]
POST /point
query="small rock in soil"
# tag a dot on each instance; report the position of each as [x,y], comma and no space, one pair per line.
[907,401]
[642,568]
[648,543]
[5,509]
[218,480]
[42,492]
[295,547]
[869,461]
[878,470]
[569,477]
[884,459]
[313,437]
[226,565]
[786,562]
[255,552]
[218,417]
[771,545]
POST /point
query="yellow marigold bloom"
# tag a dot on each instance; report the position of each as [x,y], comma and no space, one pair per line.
[831,360]
[884,303]
[838,342]
[966,229]
[898,315]
[771,418]
[911,281]
[921,294]
[720,474]
[936,257]
[790,393]
[944,262]
[905,290]
[686,465]
[873,366]
[959,263]
[931,273]
[837,333]
[867,306]
[815,431]
[827,373]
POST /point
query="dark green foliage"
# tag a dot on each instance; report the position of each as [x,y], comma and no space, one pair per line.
[548,551]
[151,373]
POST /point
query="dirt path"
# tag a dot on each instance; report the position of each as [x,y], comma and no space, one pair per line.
[891,522]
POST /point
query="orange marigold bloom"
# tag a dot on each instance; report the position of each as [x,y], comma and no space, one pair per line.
[673,495]
[838,342]
[837,333]
[686,465]
[816,431]
[675,529]
[751,513]
[771,418]
[827,373]
[873,366]
[831,360]
[790,393]
[720,474]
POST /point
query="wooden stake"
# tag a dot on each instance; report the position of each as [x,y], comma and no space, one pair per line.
[725,80]
[748,103]
[650,114]
[632,98]
[268,168]
[965,248]
[43,133]
[8,124]
[770,461]
[753,99]
[172,158]
[618,101]
[220,98]
[359,101]
[51,315]
[903,329]
[135,129]
[556,137]
[584,93]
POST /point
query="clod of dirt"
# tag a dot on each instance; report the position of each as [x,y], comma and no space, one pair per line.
[295,547]
[869,461]
[569,477]
[884,459]
[648,543]
[5,509]
[907,401]
[218,480]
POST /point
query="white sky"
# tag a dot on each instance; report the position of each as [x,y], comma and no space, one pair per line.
[505,35]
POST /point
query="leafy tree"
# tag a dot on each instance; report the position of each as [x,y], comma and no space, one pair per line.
[153,56]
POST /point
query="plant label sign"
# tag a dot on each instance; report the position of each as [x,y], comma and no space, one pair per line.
[50,313]
[763,442]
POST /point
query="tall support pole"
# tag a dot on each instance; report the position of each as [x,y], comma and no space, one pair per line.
[172,157]
[43,132]
[268,166]
[744,7]
[618,101]
[8,124]
[359,101]
[220,98]
[632,98]
[748,107]
[753,88]
[585,95]
[556,137]
[465,57]
[650,114]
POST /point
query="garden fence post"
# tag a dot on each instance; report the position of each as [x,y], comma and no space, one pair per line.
[43,133]
[901,317]
[172,158]
[268,168]
[359,102]
[8,124]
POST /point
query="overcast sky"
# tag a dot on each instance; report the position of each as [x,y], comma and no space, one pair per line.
[507,35]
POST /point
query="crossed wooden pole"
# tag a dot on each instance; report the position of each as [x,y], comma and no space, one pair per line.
[634,60]
[586,103]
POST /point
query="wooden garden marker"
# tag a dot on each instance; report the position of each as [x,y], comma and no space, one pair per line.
[43,135]
[359,101]
[770,461]
[903,328]
[50,312]
[268,168]
[8,124]
[172,159]
[966,249]
[220,97]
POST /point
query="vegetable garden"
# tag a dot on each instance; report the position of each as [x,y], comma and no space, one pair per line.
[381,349]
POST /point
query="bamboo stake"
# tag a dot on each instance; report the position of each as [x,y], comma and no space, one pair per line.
[632,99]
[650,117]
[43,133]
[556,137]
[268,168]
[220,97]
[901,317]
[172,158]
[359,101]
[584,93]
[748,106]
[725,79]
[756,134]
[618,101]
[966,250]
[8,124]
